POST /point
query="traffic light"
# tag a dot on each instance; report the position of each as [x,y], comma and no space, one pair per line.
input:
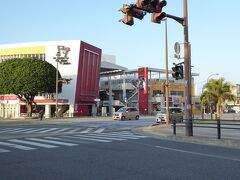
[177,71]
[143,4]
[158,5]
[157,14]
[130,11]
[151,5]
[127,20]
[158,17]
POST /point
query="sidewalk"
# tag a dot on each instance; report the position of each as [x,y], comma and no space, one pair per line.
[208,137]
[52,120]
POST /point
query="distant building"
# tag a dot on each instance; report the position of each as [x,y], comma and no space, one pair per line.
[143,88]
[77,98]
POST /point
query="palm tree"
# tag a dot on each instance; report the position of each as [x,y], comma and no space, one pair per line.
[216,92]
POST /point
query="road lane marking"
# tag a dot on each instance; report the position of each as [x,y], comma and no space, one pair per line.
[61,130]
[74,130]
[52,142]
[66,138]
[48,130]
[90,139]
[16,146]
[99,130]
[33,143]
[116,136]
[87,130]
[101,137]
[3,150]
[125,135]
[198,154]
[22,130]
[11,129]
[36,130]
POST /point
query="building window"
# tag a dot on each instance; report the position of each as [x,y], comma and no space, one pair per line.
[177,93]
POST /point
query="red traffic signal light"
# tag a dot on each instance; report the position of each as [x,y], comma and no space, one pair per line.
[151,5]
[158,5]
[158,15]
[143,3]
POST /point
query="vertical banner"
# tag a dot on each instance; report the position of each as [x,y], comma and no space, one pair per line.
[143,90]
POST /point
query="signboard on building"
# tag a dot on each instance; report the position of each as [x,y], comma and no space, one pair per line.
[143,90]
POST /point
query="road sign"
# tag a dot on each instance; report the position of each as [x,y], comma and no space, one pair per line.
[177,47]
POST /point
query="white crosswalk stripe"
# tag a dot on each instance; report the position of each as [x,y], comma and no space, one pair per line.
[3,150]
[53,142]
[51,130]
[99,130]
[10,130]
[22,130]
[48,130]
[61,130]
[66,138]
[35,130]
[118,136]
[32,143]
[101,137]
[90,139]
[87,130]
[16,146]
[74,130]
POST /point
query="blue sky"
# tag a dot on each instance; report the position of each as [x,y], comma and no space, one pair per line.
[213,31]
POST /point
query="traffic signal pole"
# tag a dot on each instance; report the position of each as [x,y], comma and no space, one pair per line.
[188,76]
[138,11]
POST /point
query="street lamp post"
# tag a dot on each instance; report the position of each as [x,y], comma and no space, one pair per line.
[62,58]
[207,82]
[57,60]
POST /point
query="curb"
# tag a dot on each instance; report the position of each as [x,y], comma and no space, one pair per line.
[164,134]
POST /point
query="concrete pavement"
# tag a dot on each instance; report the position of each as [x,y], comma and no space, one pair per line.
[230,138]
[200,136]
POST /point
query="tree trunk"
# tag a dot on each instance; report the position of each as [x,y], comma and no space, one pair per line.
[218,110]
[29,109]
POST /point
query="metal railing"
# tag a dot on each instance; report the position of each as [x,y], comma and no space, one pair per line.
[218,124]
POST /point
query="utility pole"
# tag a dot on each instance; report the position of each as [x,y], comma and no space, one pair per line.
[188,76]
[167,82]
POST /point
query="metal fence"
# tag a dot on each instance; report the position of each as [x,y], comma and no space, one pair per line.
[218,124]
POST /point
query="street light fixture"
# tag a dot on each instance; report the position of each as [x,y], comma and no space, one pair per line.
[215,74]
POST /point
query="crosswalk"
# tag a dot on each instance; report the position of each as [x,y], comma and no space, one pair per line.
[50,130]
[33,143]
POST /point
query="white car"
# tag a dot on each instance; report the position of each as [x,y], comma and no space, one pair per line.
[126,113]
[175,113]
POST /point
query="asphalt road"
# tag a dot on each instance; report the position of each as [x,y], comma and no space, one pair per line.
[140,159]
[106,150]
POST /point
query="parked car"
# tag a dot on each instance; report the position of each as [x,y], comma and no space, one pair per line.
[230,110]
[175,113]
[126,113]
